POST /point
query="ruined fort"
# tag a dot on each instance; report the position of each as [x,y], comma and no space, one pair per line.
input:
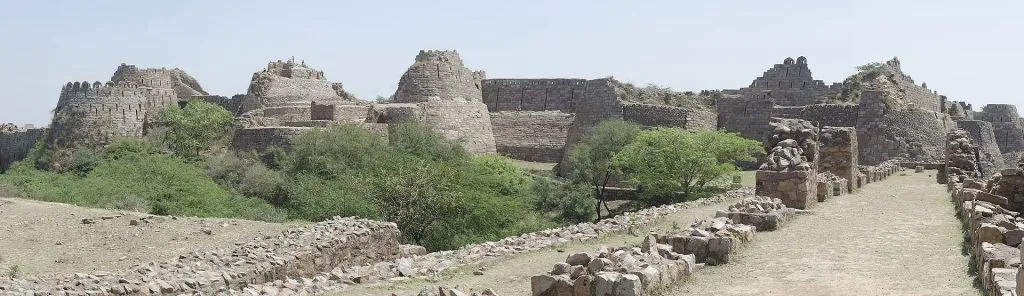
[821,141]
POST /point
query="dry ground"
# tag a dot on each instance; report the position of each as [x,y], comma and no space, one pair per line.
[896,237]
[43,238]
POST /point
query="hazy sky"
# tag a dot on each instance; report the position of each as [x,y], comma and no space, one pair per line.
[968,50]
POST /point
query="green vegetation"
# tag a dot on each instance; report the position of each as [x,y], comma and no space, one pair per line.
[672,163]
[591,158]
[439,195]
[196,127]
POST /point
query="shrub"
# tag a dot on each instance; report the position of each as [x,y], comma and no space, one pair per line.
[569,202]
[590,160]
[671,164]
[195,128]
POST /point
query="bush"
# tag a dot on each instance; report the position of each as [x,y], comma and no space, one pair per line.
[671,164]
[195,128]
[133,177]
[590,159]
[248,177]
[571,203]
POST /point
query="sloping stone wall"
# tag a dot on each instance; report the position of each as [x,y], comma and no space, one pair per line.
[913,134]
[531,135]
[790,84]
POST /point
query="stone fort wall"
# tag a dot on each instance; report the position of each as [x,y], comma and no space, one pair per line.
[650,115]
[918,95]
[599,102]
[94,114]
[532,94]
[183,85]
[15,146]
[531,135]
[916,134]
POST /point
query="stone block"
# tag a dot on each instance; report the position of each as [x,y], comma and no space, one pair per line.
[824,190]
[796,189]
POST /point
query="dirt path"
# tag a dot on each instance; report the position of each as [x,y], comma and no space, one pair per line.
[897,237]
[511,277]
[43,238]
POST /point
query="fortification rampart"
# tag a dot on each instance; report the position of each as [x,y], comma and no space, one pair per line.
[747,116]
[176,79]
[288,83]
[339,113]
[914,134]
[668,116]
[990,158]
[531,135]
[14,146]
[263,138]
[532,94]
[232,104]
[912,93]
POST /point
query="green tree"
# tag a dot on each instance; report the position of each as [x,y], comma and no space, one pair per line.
[671,163]
[590,160]
[195,128]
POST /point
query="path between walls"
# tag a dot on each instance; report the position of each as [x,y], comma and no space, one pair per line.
[511,276]
[895,237]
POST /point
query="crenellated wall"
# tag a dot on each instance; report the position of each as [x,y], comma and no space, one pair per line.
[14,146]
[914,134]
[532,94]
[176,79]
[94,114]
[990,158]
[531,135]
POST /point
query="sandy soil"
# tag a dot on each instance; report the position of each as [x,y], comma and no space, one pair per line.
[42,238]
[897,237]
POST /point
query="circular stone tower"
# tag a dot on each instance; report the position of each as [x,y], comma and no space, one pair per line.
[449,97]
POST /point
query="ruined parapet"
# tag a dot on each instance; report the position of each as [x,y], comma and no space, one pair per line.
[184,85]
[790,84]
[262,138]
[292,84]
[990,158]
[537,136]
[94,114]
[746,116]
[838,153]
[448,98]
[789,172]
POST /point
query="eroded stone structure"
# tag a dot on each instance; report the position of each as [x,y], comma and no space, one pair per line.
[838,154]
[790,170]
[15,143]
[790,84]
[983,136]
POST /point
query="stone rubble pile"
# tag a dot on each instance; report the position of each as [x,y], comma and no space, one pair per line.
[831,185]
[792,147]
[300,260]
[995,231]
[457,291]
[662,259]
[764,213]
[623,271]
[789,172]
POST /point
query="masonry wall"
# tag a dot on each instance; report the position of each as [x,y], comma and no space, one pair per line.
[599,102]
[468,122]
[747,116]
[838,153]
[981,132]
[339,113]
[95,114]
[263,138]
[532,94]
[233,104]
[914,134]
[439,75]
[15,146]
[184,85]
[1008,127]
[537,136]
[790,84]
[668,116]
